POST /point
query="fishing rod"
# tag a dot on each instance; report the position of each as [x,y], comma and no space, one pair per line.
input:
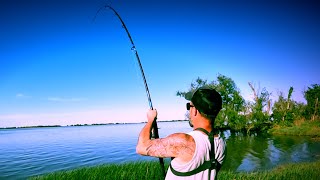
[154,131]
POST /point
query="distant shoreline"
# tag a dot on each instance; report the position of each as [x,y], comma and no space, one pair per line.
[95,124]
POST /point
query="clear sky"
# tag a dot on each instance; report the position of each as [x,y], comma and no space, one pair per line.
[58,66]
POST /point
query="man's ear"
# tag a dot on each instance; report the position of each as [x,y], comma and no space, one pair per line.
[195,112]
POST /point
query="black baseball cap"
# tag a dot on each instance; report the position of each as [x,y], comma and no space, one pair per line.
[207,101]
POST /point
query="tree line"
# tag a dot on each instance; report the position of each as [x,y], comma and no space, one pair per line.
[238,114]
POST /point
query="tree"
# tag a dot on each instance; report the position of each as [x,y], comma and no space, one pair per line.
[257,115]
[232,101]
[312,95]
[283,109]
[193,87]
[286,110]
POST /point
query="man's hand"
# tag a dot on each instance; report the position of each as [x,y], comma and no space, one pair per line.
[152,115]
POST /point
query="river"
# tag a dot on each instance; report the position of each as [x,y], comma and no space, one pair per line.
[34,151]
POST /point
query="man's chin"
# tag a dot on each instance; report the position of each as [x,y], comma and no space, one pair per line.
[190,123]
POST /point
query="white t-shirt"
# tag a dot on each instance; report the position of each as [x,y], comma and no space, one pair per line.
[201,154]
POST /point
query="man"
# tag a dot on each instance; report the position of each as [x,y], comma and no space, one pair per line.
[193,158]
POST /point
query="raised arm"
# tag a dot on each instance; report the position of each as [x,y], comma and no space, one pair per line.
[177,145]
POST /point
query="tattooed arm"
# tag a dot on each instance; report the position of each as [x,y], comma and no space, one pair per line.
[177,145]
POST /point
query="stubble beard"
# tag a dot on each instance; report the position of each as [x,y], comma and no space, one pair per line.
[190,123]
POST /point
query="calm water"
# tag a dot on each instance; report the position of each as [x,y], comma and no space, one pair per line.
[34,151]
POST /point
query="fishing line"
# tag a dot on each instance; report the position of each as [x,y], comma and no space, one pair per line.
[154,131]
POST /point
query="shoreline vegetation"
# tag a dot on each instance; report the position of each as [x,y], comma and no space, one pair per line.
[299,127]
[151,170]
[262,113]
[95,124]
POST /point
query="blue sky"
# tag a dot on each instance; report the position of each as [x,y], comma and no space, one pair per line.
[58,66]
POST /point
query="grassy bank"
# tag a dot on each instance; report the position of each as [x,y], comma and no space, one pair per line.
[290,171]
[151,170]
[299,128]
[136,170]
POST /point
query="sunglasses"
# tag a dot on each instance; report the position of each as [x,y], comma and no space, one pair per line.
[189,105]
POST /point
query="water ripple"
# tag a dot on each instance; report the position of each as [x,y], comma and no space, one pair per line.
[35,151]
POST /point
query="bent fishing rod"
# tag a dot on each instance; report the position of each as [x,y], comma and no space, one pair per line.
[154,131]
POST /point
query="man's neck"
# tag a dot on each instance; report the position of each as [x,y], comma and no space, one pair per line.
[202,123]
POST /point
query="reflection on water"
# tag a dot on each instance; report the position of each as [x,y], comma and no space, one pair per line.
[34,151]
[254,153]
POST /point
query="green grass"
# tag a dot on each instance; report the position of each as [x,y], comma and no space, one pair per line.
[300,128]
[136,170]
[151,170]
[308,171]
